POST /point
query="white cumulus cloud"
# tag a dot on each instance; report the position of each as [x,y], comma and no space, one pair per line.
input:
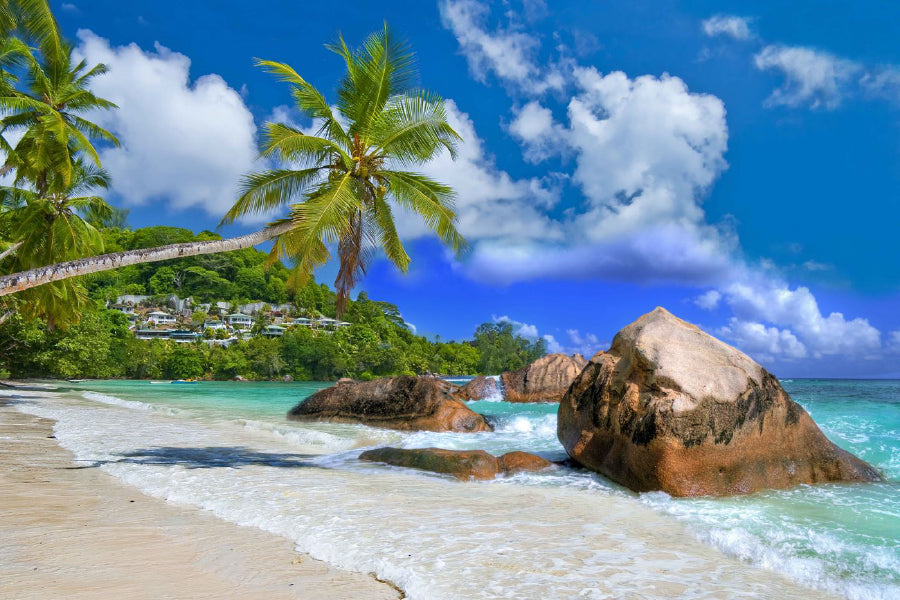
[645,152]
[893,344]
[760,300]
[586,344]
[526,330]
[811,77]
[507,52]
[708,300]
[184,141]
[728,25]
[763,343]
[490,204]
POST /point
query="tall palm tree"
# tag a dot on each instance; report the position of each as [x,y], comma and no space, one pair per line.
[52,111]
[339,183]
[49,227]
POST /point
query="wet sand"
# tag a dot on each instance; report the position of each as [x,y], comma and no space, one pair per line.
[74,532]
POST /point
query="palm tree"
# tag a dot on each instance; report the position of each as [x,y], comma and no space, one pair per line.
[338,183]
[34,19]
[49,227]
[51,113]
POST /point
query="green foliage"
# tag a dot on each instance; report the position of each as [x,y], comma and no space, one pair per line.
[50,212]
[501,350]
[100,345]
[183,362]
[238,276]
[340,181]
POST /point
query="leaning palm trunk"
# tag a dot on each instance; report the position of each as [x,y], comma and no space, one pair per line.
[17,282]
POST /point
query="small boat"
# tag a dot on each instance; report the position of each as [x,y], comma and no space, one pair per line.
[160,382]
[185,381]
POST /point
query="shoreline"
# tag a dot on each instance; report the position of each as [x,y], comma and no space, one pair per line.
[137,546]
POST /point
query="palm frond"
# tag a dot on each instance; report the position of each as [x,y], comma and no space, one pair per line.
[414,128]
[309,100]
[38,21]
[326,213]
[389,239]
[269,190]
[292,145]
[430,200]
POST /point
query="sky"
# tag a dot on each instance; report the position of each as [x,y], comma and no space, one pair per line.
[735,162]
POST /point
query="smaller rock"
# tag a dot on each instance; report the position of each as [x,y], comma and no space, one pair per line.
[287,379]
[239,378]
[343,380]
[516,462]
[462,464]
[545,380]
[479,388]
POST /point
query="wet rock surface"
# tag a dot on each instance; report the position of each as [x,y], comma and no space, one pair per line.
[462,464]
[405,403]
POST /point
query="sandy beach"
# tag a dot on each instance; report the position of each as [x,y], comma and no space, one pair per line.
[147,494]
[67,531]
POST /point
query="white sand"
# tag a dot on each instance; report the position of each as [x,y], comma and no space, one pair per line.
[70,532]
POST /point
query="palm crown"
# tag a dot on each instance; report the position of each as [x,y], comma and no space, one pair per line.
[340,182]
[51,115]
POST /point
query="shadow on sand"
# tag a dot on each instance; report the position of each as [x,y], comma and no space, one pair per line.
[209,457]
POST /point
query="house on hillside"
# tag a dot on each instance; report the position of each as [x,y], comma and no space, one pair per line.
[183,336]
[273,330]
[132,300]
[158,317]
[216,324]
[239,321]
[329,323]
[152,334]
[224,343]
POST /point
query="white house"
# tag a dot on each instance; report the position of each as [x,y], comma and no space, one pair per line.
[184,336]
[330,323]
[214,325]
[273,330]
[152,334]
[239,321]
[158,317]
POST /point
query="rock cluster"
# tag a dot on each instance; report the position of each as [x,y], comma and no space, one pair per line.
[672,408]
[462,464]
[405,403]
[544,380]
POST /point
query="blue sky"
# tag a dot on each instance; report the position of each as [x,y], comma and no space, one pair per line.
[735,162]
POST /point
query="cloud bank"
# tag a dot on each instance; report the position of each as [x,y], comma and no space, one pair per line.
[645,151]
[182,141]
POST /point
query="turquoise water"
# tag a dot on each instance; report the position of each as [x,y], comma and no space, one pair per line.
[841,538]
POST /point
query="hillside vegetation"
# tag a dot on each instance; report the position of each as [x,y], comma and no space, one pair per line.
[377,343]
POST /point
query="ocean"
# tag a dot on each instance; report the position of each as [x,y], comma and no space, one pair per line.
[227,448]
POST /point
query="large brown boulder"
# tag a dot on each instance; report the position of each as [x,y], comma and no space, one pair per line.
[406,403]
[477,389]
[462,464]
[672,408]
[544,380]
